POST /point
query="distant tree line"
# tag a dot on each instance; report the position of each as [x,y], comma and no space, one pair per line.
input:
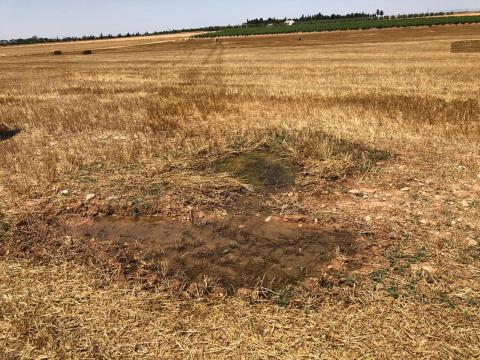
[43,40]
[316,17]
[362,15]
[256,22]
[382,22]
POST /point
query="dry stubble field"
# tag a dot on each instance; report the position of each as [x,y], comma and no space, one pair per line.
[354,155]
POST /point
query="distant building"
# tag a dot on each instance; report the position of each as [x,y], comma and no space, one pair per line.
[289,22]
[270,25]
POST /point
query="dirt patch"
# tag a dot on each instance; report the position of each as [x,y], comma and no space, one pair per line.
[240,254]
[261,169]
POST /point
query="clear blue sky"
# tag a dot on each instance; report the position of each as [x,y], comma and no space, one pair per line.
[52,18]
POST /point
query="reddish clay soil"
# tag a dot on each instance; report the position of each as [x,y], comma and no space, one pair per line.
[233,254]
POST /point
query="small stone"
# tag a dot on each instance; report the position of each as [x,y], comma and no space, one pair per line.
[192,289]
[176,286]
[368,218]
[311,284]
[471,242]
[64,192]
[112,198]
[336,264]
[68,241]
[268,219]
[218,292]
[241,226]
[89,197]
[294,218]
[245,293]
[465,203]
[405,189]
[356,192]
[427,268]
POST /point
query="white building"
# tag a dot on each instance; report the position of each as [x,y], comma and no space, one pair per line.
[289,22]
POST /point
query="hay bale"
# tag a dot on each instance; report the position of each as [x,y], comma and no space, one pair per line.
[467,46]
[6,132]
[87,52]
[3,128]
[57,52]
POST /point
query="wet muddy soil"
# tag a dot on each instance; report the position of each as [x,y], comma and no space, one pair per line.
[234,254]
[261,169]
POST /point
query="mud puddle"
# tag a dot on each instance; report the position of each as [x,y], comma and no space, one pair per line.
[240,254]
[262,169]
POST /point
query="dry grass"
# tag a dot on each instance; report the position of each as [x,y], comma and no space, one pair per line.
[65,311]
[390,112]
[79,46]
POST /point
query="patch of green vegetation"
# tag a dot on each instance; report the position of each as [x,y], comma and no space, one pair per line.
[400,261]
[392,289]
[285,295]
[356,24]
[411,284]
[379,155]
[472,302]
[379,275]
[139,205]
[4,225]
[444,298]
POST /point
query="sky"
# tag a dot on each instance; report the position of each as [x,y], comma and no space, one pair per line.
[52,18]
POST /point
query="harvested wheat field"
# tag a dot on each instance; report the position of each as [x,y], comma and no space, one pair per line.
[310,196]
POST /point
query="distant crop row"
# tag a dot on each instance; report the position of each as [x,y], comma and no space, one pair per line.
[360,24]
